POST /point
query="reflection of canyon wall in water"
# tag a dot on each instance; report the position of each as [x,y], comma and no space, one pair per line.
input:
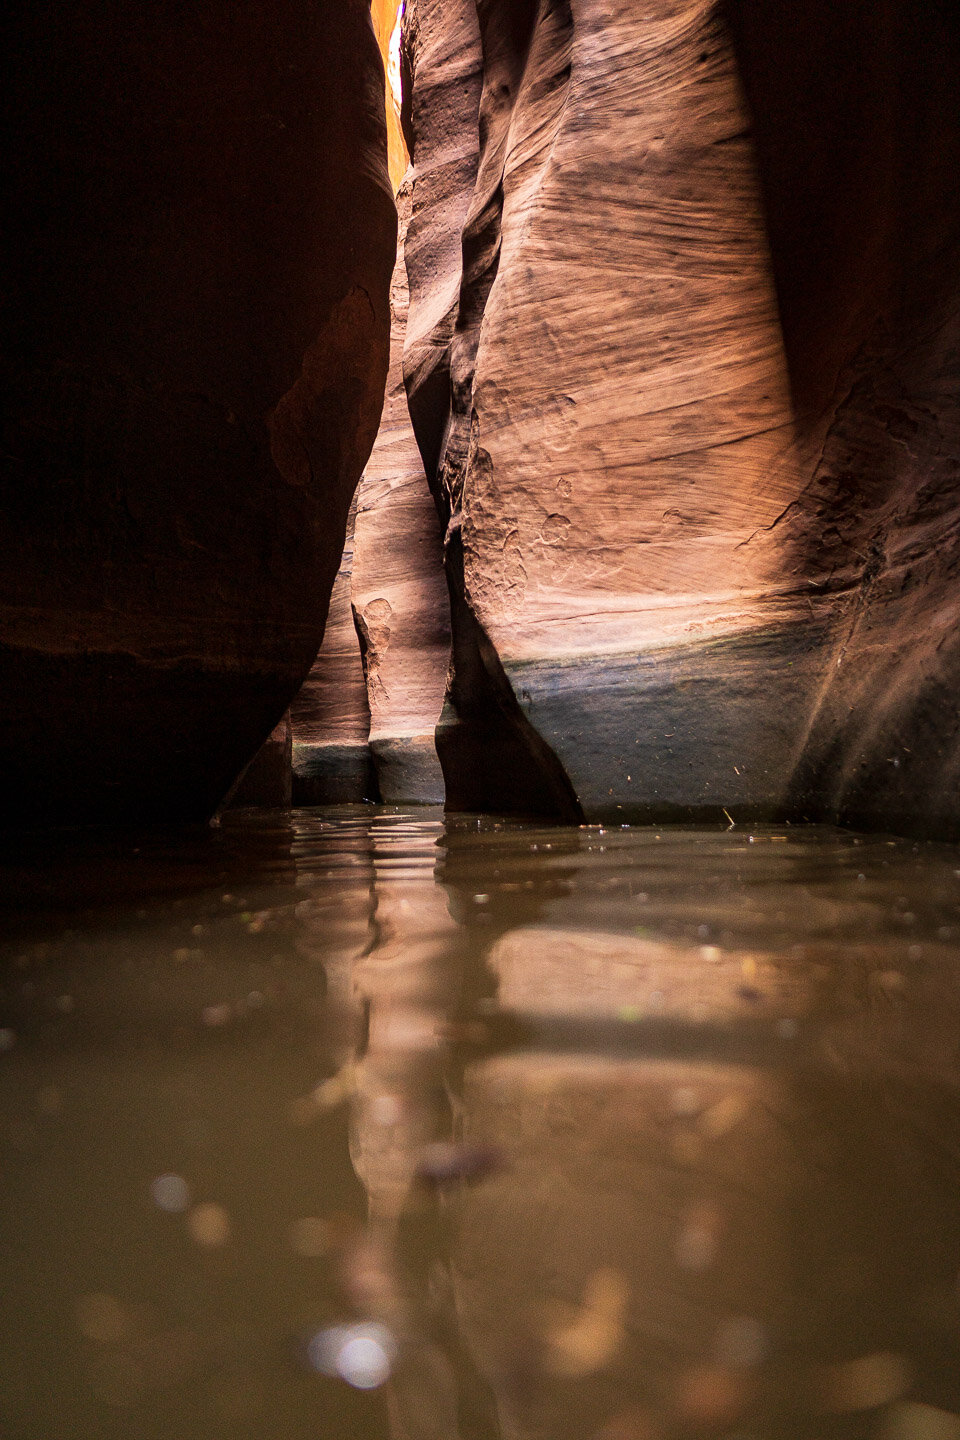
[654,1216]
[681,364]
[201,230]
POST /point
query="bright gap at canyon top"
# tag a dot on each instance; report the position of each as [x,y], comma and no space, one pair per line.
[479,668]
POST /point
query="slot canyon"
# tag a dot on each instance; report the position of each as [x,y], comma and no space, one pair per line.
[660,520]
[479,724]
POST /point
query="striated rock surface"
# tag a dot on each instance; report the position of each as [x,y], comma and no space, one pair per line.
[364,721]
[202,232]
[398,590]
[687,400]
[330,715]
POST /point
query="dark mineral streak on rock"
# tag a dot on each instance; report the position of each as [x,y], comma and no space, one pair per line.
[201,235]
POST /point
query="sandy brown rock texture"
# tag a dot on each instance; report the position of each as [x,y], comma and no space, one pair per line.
[201,238]
[398,590]
[682,363]
[330,715]
[364,721]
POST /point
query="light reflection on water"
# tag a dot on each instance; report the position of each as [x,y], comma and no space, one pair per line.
[608,1134]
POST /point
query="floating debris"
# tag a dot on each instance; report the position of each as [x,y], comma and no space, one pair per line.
[446,1163]
[328,1095]
[728,1111]
[215,1016]
[209,1224]
[583,1339]
[170,1193]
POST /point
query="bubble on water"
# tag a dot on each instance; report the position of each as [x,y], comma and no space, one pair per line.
[363,1363]
[170,1193]
[209,1224]
[361,1354]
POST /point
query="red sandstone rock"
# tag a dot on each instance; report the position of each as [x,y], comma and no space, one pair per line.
[330,715]
[696,456]
[398,590]
[202,235]
[364,720]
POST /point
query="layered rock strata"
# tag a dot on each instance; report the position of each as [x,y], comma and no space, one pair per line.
[201,236]
[681,361]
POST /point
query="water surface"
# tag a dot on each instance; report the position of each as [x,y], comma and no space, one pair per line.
[366,1122]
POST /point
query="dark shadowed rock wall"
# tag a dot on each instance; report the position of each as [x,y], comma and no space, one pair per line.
[682,362]
[201,233]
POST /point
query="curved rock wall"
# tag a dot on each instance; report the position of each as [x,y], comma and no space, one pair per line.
[201,235]
[364,720]
[330,716]
[687,400]
[398,592]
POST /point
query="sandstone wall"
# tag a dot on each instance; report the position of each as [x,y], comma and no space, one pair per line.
[364,721]
[330,715]
[681,361]
[398,591]
[201,236]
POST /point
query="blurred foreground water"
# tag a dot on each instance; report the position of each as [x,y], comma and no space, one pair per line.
[371,1123]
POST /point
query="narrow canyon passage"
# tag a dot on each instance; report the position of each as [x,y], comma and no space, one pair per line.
[674,351]
[479,727]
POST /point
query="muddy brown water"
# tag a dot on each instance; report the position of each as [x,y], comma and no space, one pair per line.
[368,1122]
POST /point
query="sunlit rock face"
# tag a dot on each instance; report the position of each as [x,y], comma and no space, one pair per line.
[398,590]
[330,715]
[364,721]
[203,233]
[682,364]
